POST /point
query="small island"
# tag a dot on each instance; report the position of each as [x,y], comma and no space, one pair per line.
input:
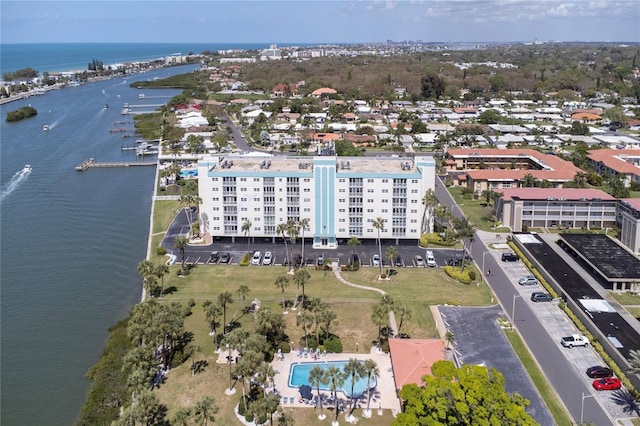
[21,114]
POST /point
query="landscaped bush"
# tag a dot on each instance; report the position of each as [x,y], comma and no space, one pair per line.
[246,259]
[161,251]
[454,272]
[333,344]
[472,275]
[434,239]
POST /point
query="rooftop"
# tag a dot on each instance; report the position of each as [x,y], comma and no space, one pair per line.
[610,258]
[572,194]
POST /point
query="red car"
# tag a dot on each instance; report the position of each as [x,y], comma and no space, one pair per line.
[607,383]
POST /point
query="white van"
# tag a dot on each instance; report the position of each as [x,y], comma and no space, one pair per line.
[431,261]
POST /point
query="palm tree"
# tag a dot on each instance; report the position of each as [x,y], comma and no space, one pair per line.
[160,271]
[464,231]
[246,228]
[281,282]
[292,229]
[181,417]
[181,243]
[371,371]
[224,299]
[404,312]
[190,200]
[242,291]
[305,320]
[353,370]
[317,377]
[448,337]
[335,378]
[391,252]
[204,410]
[282,229]
[303,224]
[301,276]
[429,201]
[634,361]
[246,367]
[353,243]
[145,268]
[265,375]
[380,317]
[378,223]
[271,404]
[191,350]
[211,313]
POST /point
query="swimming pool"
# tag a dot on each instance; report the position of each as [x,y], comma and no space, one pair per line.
[189,173]
[299,375]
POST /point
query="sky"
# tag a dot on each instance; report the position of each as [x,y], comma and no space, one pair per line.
[318,21]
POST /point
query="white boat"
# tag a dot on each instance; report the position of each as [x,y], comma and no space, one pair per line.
[141,96]
[45,128]
[27,168]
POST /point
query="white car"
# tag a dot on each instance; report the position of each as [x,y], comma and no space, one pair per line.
[256,258]
[376,260]
[266,260]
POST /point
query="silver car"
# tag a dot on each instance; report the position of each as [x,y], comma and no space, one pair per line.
[528,280]
[419,261]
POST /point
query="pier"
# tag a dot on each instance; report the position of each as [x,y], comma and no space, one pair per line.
[92,163]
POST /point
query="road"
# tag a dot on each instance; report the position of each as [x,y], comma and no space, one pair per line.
[559,371]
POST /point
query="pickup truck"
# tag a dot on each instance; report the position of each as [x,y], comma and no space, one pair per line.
[574,340]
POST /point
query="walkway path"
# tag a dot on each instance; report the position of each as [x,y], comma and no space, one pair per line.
[335,266]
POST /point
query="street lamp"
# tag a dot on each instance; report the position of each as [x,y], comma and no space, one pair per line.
[513,309]
[584,396]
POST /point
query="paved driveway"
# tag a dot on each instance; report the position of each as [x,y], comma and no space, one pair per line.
[479,339]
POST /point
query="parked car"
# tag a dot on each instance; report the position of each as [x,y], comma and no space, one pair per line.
[320,260]
[419,261]
[538,296]
[214,257]
[510,257]
[431,261]
[528,280]
[454,262]
[297,261]
[598,372]
[266,260]
[225,258]
[256,258]
[376,260]
[398,262]
[607,383]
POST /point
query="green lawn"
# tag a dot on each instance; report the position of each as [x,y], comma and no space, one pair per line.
[476,210]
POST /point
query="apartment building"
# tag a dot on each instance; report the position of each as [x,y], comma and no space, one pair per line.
[556,208]
[340,196]
[628,221]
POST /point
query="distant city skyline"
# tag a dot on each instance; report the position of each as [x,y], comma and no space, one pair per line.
[319,21]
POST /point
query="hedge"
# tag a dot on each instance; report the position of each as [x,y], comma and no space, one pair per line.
[454,272]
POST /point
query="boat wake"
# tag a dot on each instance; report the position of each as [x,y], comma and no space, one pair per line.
[13,184]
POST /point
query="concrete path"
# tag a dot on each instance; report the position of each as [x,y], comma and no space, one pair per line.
[392,318]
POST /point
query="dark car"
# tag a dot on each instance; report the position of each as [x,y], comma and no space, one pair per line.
[320,260]
[454,262]
[297,262]
[225,258]
[599,372]
[215,256]
[538,296]
[398,262]
[510,257]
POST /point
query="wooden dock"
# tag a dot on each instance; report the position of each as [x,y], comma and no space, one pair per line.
[91,163]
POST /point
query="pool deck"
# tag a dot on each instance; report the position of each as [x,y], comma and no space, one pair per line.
[382,397]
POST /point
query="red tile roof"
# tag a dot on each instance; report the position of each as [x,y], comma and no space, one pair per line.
[412,359]
[614,159]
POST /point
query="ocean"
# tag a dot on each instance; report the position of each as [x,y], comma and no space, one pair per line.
[69,241]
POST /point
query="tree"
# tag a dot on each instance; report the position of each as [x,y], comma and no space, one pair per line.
[181,243]
[316,378]
[242,291]
[429,201]
[245,368]
[212,312]
[432,86]
[204,410]
[305,320]
[224,299]
[528,181]
[270,325]
[191,201]
[464,231]
[246,228]
[282,282]
[353,243]
[380,317]
[335,378]
[181,417]
[303,224]
[371,371]
[354,370]
[160,271]
[618,190]
[378,223]
[282,229]
[301,277]
[404,312]
[391,252]
[265,376]
[191,350]
[466,395]
[634,361]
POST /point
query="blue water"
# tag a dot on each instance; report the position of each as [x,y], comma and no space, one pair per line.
[70,242]
[188,173]
[76,56]
[299,375]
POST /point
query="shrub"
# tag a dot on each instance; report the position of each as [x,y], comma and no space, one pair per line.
[161,251]
[454,272]
[472,275]
[246,259]
[333,344]
[435,239]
